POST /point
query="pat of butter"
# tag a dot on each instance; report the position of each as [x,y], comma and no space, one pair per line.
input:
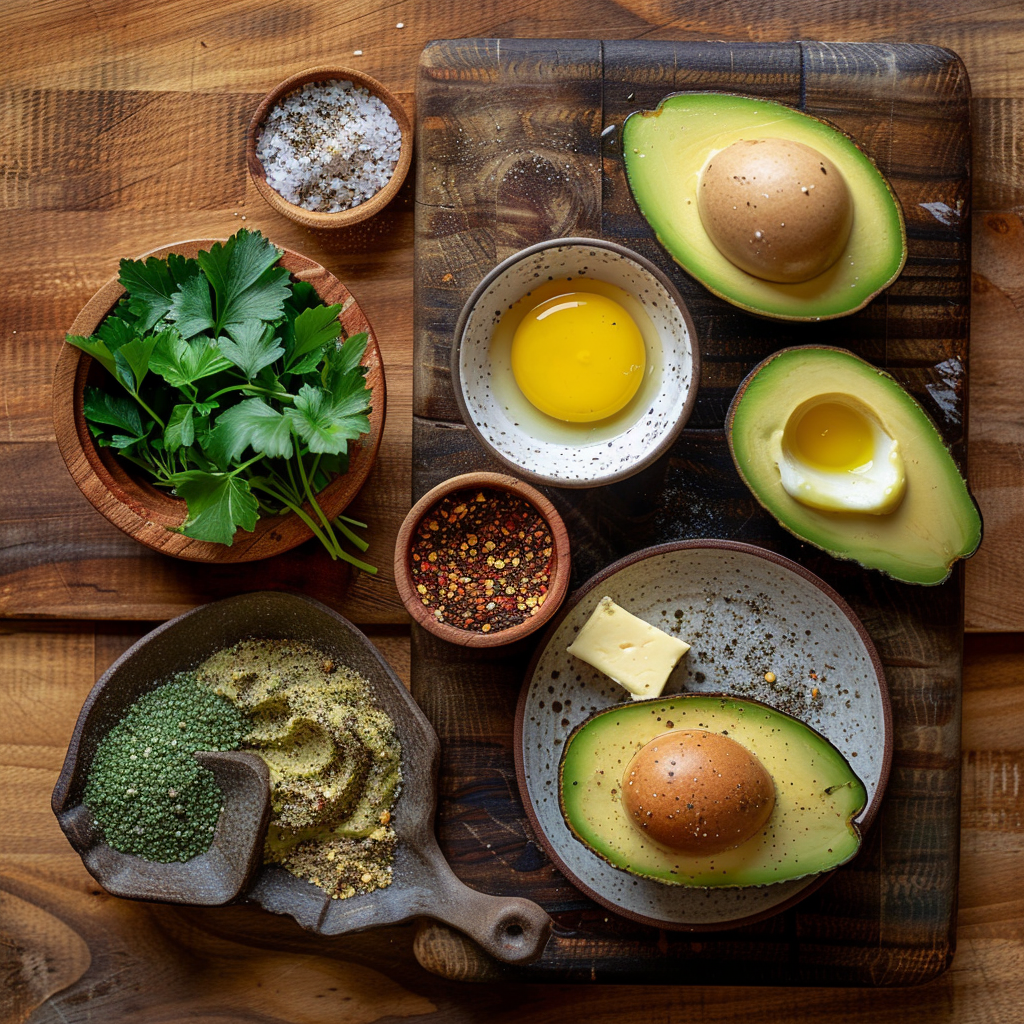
[637,655]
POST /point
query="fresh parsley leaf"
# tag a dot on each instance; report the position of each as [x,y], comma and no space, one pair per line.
[247,284]
[342,367]
[218,504]
[152,285]
[180,430]
[182,362]
[326,422]
[191,307]
[95,347]
[116,332]
[311,331]
[113,410]
[251,346]
[303,296]
[135,356]
[123,441]
[254,424]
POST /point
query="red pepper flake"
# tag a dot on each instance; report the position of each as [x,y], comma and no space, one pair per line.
[481,560]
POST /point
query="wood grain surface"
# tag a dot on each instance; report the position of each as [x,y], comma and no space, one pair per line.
[123,129]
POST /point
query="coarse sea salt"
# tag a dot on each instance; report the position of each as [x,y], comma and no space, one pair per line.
[329,146]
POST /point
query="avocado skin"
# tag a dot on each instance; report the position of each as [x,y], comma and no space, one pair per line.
[664,151]
[938,521]
[817,793]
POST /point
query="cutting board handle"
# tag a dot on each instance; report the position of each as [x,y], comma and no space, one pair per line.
[508,928]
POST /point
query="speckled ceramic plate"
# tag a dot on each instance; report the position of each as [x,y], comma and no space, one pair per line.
[745,612]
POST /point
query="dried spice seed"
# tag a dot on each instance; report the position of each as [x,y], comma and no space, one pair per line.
[481,560]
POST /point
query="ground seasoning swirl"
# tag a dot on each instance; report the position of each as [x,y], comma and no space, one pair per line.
[481,560]
[334,760]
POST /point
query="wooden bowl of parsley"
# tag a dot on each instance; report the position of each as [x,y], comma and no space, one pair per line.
[222,401]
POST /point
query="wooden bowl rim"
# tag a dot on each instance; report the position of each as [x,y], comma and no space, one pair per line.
[343,218]
[559,584]
[129,511]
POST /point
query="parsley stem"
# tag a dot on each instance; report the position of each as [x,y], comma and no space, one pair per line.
[353,537]
[317,532]
[138,398]
[245,465]
[310,496]
[253,389]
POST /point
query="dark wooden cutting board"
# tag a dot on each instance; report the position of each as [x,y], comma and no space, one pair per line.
[518,142]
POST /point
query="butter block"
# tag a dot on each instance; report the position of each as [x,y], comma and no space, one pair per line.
[637,655]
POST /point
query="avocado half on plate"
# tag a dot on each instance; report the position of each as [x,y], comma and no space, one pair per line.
[773,210]
[675,790]
[845,459]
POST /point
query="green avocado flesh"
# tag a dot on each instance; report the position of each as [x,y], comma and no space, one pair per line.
[811,827]
[665,151]
[936,523]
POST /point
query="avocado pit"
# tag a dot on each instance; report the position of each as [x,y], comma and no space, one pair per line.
[697,791]
[776,208]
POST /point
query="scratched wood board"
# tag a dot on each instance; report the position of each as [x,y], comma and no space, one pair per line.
[517,142]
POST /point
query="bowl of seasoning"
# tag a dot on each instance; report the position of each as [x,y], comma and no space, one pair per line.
[329,147]
[482,560]
[575,363]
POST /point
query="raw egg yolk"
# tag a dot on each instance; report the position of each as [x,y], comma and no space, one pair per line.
[834,436]
[578,357]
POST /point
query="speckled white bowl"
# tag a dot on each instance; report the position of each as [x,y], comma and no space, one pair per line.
[650,423]
[745,611]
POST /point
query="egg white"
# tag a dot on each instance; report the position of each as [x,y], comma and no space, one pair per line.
[876,487]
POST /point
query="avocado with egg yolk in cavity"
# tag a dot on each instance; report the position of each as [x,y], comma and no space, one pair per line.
[936,521]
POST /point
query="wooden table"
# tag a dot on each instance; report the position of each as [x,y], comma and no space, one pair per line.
[124,128]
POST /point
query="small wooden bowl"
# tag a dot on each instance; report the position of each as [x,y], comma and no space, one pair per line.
[343,218]
[148,514]
[559,576]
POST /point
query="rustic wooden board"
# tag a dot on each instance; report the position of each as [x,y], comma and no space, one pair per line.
[510,151]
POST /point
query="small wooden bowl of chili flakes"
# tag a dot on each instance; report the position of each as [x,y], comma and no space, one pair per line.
[482,560]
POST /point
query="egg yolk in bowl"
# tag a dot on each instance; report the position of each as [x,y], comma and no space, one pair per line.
[578,357]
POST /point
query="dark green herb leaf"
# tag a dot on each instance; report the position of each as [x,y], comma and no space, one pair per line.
[218,503]
[251,347]
[151,286]
[303,296]
[192,307]
[312,330]
[247,284]
[114,410]
[123,441]
[179,432]
[182,362]
[327,423]
[254,424]
[95,347]
[116,332]
[342,368]
[135,355]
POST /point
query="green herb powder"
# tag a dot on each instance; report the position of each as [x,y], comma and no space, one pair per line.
[145,790]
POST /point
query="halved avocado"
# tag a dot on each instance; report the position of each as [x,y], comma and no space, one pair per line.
[817,795]
[937,521]
[665,151]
